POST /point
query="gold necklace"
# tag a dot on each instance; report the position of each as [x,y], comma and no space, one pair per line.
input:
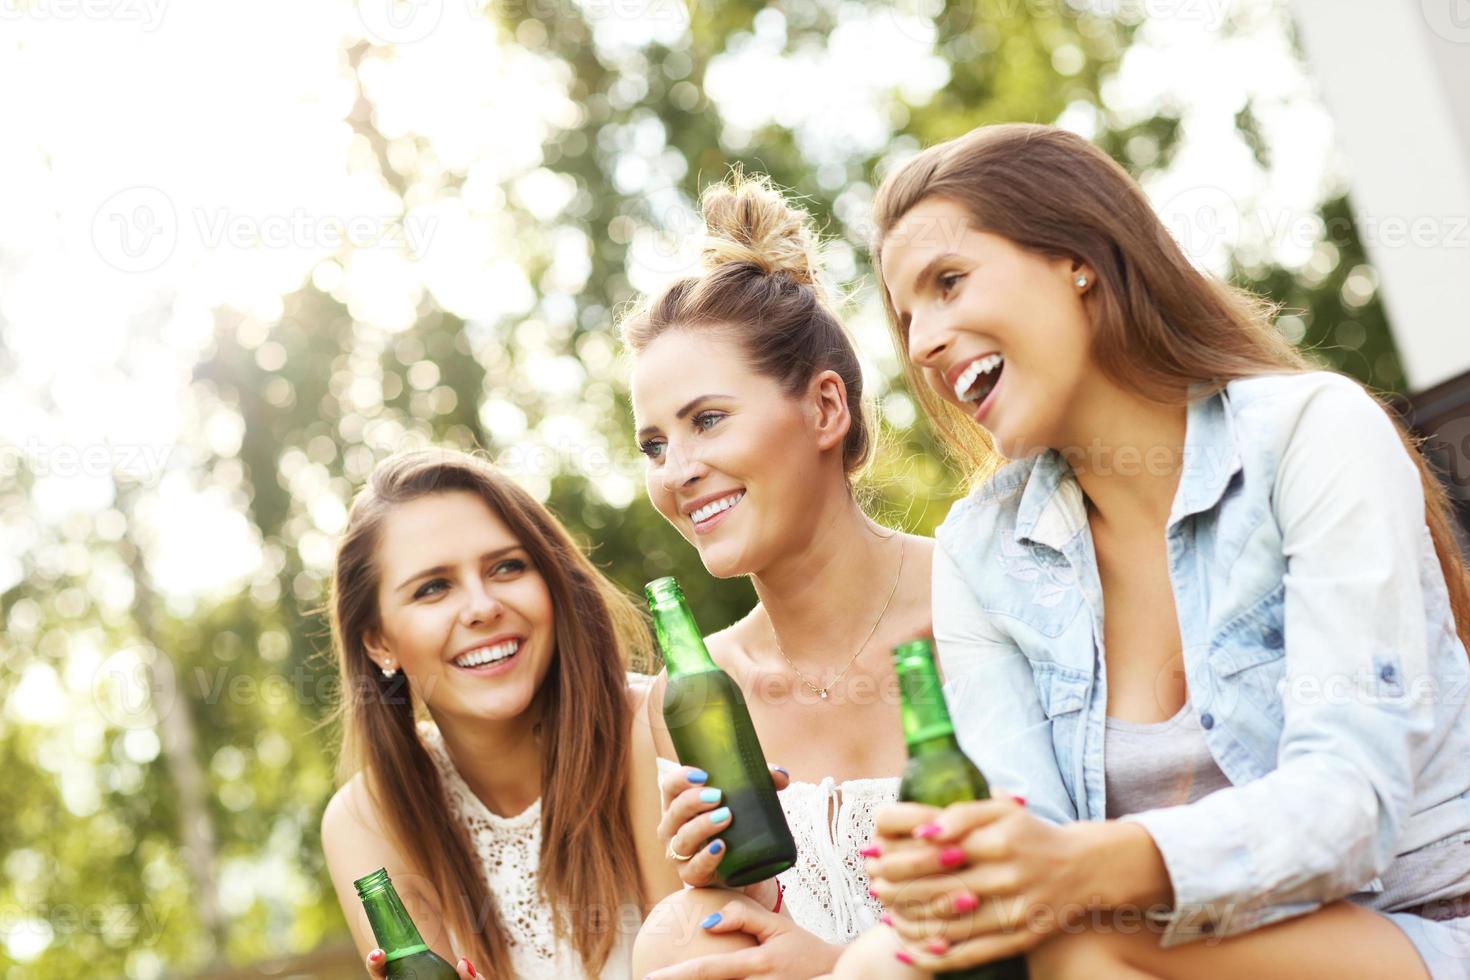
[823,691]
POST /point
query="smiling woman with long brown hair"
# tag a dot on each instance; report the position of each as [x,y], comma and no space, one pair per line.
[487,727]
[1205,610]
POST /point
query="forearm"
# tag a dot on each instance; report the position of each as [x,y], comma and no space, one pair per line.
[1123,865]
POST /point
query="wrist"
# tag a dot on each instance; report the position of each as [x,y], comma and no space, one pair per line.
[1124,866]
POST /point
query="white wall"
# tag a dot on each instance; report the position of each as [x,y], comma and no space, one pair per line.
[1396,76]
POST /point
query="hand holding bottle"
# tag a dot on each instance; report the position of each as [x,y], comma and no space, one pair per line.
[377,966]
[693,817]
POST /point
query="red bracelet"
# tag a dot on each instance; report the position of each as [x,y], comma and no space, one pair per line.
[780,893]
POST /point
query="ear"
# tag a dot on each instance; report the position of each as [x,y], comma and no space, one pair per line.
[372,641]
[1080,275]
[827,396]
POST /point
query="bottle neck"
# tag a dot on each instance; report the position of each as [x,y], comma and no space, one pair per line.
[392,927]
[926,724]
[678,636]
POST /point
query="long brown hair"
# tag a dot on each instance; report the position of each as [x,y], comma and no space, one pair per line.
[760,287]
[1160,326]
[588,864]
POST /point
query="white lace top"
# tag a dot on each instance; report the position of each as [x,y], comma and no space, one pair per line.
[510,855]
[827,889]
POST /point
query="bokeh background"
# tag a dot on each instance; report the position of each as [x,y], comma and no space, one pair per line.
[248,249]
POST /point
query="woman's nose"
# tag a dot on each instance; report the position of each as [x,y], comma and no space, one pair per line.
[928,341]
[480,607]
[681,467]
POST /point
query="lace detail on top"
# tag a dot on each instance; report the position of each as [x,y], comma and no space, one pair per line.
[827,889]
[509,849]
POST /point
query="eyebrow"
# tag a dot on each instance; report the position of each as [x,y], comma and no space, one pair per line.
[689,406]
[926,276]
[437,569]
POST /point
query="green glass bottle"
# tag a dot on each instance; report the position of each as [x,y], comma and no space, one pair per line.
[409,958]
[938,772]
[711,730]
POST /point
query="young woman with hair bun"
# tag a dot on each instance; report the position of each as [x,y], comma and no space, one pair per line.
[1204,609]
[748,402]
[490,760]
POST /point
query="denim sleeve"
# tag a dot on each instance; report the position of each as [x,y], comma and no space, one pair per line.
[992,699]
[1349,503]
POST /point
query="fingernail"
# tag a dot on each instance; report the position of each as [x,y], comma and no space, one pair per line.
[716,847]
[871,851]
[1020,800]
[471,967]
[966,902]
[937,946]
[375,955]
[782,771]
[720,815]
[927,831]
[886,919]
[904,958]
[872,894]
[697,775]
[709,795]
[713,919]
[952,857]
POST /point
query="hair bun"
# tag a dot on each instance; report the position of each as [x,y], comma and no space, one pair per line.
[748,221]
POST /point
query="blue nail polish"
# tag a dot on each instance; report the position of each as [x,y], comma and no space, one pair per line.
[713,919]
[697,775]
[709,795]
[783,771]
[716,847]
[720,815]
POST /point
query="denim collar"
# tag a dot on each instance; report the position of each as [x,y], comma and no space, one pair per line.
[1052,510]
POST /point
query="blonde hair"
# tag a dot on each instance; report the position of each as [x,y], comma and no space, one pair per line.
[760,285]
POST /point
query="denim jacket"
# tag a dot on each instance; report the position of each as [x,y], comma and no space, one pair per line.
[1319,651]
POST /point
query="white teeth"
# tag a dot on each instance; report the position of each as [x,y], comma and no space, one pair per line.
[487,655]
[710,510]
[971,374]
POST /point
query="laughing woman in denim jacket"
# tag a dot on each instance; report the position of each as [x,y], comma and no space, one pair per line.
[1209,621]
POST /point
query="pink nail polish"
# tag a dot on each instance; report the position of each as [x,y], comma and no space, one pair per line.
[937,946]
[886,919]
[1020,800]
[952,857]
[872,893]
[927,831]
[965,902]
[871,851]
[904,958]
[375,955]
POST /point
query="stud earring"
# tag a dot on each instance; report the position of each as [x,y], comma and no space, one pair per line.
[390,672]
[1081,282]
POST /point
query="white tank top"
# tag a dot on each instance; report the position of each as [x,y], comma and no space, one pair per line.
[509,849]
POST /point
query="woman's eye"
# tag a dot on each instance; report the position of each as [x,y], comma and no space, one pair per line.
[510,566]
[948,281]
[426,588]
[653,448]
[705,421]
